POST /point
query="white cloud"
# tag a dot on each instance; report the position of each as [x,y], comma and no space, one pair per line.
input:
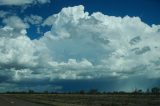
[72,63]
[81,46]
[3,14]
[22,2]
[14,26]
[18,51]
[43,1]
[69,14]
[15,22]
[33,19]
[119,44]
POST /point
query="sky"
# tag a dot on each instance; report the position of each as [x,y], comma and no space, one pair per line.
[71,45]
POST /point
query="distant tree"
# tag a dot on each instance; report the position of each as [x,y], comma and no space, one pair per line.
[137,91]
[55,92]
[140,91]
[8,92]
[104,92]
[82,92]
[45,92]
[155,90]
[93,91]
[31,91]
[121,92]
[147,91]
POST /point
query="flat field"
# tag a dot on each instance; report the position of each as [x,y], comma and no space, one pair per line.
[90,99]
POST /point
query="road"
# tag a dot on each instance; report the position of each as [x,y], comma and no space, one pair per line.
[8,101]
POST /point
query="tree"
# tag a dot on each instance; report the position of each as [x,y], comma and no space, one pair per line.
[147,91]
[82,92]
[45,92]
[31,91]
[93,91]
[155,90]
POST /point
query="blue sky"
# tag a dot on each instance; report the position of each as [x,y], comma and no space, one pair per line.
[146,10]
[68,45]
[142,8]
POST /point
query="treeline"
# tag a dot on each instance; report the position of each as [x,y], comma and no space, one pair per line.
[154,90]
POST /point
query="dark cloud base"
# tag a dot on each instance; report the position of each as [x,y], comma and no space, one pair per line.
[103,84]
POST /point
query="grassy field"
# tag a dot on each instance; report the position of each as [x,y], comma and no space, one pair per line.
[91,100]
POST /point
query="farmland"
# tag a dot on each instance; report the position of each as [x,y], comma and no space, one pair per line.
[90,99]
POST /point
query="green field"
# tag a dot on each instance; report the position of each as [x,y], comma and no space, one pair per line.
[91,99]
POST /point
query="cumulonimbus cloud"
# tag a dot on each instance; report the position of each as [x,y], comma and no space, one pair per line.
[81,46]
[120,44]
